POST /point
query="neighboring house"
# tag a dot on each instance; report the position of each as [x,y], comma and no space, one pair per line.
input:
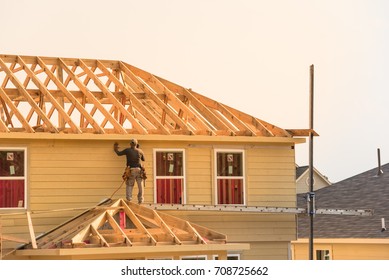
[302,179]
[341,237]
[59,118]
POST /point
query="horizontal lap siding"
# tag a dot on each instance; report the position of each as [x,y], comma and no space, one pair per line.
[267,251]
[245,227]
[271,176]
[199,176]
[342,251]
[65,174]
[360,251]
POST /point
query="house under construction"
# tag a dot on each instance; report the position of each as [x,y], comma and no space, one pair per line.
[59,118]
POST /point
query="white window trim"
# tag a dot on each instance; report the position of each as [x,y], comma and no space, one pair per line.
[323,248]
[229,255]
[243,172]
[18,178]
[161,177]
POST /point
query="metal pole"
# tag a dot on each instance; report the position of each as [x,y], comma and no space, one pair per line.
[311,193]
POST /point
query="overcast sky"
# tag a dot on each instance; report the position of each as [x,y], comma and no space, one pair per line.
[253,55]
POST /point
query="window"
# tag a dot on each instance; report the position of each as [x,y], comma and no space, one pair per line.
[169,176]
[229,177]
[12,177]
[230,257]
[323,255]
[194,258]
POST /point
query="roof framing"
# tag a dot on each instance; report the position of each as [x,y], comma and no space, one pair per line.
[77,96]
[123,229]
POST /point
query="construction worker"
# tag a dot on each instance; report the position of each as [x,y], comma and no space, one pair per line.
[134,157]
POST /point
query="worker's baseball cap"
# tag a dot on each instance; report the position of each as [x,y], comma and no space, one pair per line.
[133,142]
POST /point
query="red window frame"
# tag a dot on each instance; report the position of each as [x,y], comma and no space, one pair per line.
[13,177]
[169,178]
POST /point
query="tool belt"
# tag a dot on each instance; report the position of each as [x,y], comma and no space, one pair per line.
[127,173]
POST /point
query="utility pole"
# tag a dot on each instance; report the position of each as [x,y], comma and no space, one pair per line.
[311,194]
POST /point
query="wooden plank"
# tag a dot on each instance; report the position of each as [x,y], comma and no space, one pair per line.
[92,98]
[136,221]
[203,107]
[175,102]
[3,126]
[118,229]
[166,228]
[29,99]
[150,116]
[31,230]
[84,113]
[61,112]
[94,231]
[154,98]
[208,114]
[113,99]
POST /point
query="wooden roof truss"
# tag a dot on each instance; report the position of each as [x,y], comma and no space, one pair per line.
[69,95]
[123,224]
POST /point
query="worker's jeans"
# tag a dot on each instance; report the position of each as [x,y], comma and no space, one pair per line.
[134,177]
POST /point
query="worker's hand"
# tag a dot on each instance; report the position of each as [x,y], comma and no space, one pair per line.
[115,146]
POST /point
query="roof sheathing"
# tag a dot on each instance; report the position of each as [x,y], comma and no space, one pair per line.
[90,96]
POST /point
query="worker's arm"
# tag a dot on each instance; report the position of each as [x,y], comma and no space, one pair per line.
[116,149]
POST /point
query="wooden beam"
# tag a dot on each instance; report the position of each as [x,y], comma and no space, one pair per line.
[173,100]
[3,126]
[15,111]
[151,95]
[136,221]
[118,229]
[166,228]
[215,122]
[84,113]
[132,98]
[53,100]
[24,92]
[95,232]
[113,99]
[92,98]
[31,230]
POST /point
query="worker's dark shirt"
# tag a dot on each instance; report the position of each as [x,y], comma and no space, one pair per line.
[134,156]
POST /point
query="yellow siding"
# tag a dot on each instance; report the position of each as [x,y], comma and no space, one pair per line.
[66,174]
[199,176]
[271,176]
[345,251]
[267,251]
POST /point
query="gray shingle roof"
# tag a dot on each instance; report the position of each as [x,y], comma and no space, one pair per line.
[363,191]
[300,170]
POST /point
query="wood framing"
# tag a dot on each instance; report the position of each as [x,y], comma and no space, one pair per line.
[129,230]
[76,96]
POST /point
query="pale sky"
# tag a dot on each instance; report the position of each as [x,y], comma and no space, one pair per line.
[253,55]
